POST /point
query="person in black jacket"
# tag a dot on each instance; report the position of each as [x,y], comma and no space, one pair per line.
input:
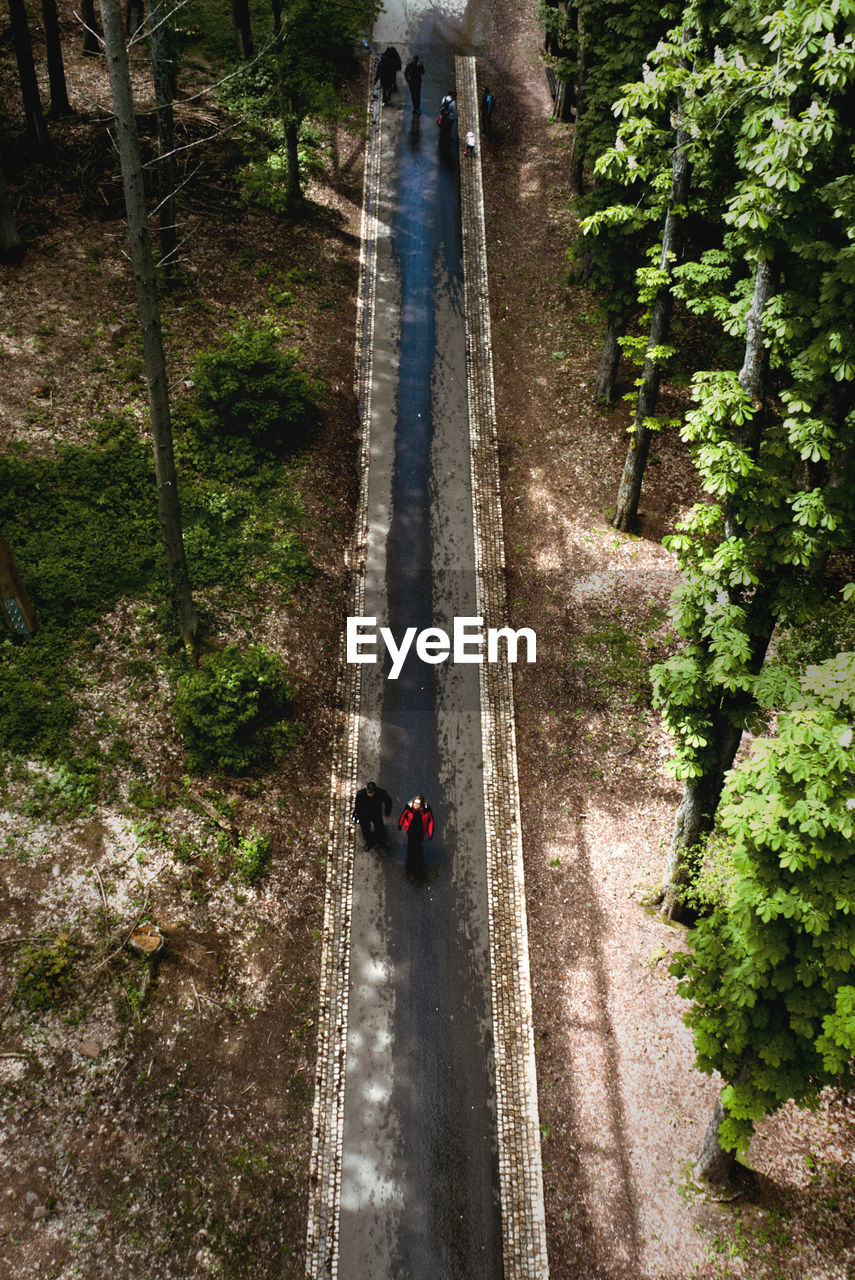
[368,809]
[387,71]
[413,76]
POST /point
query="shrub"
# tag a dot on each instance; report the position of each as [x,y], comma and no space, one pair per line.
[232,711]
[252,857]
[251,392]
[46,972]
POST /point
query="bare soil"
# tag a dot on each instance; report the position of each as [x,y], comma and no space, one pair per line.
[159,1121]
[622,1108]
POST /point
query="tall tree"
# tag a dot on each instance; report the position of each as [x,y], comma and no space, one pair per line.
[59,104]
[779,483]
[163,68]
[36,128]
[11,246]
[91,43]
[314,56]
[771,972]
[149,316]
[243,29]
[629,489]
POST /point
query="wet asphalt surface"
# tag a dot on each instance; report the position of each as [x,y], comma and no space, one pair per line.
[419,1195]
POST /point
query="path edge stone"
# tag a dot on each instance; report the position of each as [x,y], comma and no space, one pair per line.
[520,1167]
[328,1107]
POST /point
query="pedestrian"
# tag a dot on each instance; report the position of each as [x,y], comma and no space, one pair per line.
[488,103]
[368,808]
[417,820]
[446,118]
[469,149]
[413,76]
[387,72]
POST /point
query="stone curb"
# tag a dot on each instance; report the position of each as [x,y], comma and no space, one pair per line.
[520,1169]
[328,1109]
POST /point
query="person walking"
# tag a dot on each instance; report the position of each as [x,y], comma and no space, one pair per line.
[488,104]
[368,808]
[387,72]
[417,821]
[446,118]
[413,74]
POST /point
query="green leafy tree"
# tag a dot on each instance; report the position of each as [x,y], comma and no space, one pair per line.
[778,476]
[771,973]
[315,43]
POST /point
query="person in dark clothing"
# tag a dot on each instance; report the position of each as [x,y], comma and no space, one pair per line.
[417,820]
[488,103]
[413,76]
[368,809]
[387,72]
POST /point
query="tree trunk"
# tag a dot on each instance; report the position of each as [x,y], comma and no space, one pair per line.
[36,129]
[697,809]
[11,246]
[59,104]
[604,387]
[167,175]
[714,1165]
[16,607]
[91,44]
[134,16]
[576,176]
[149,313]
[295,190]
[276,6]
[243,28]
[629,490]
[754,373]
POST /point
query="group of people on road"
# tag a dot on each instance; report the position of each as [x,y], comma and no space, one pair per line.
[373,804]
[388,66]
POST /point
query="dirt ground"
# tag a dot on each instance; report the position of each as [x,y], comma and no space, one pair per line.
[622,1109]
[159,1122]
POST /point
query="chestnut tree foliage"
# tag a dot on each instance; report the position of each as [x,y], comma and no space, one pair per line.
[756,100]
[771,972]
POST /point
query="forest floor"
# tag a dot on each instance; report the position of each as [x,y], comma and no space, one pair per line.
[622,1108]
[157,1120]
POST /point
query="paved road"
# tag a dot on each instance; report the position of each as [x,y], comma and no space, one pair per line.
[419,1192]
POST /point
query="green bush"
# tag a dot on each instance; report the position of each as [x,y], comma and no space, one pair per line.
[250,392]
[252,857]
[233,711]
[46,972]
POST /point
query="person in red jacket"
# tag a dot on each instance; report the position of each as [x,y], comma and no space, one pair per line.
[417,821]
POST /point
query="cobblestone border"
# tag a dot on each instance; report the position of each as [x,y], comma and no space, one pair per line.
[520,1169]
[328,1108]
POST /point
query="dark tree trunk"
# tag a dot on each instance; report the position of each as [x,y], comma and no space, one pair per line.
[629,490]
[167,174]
[36,129]
[697,809]
[243,28]
[59,104]
[276,5]
[11,246]
[91,43]
[149,314]
[576,175]
[604,387]
[134,16]
[715,1165]
[753,375]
